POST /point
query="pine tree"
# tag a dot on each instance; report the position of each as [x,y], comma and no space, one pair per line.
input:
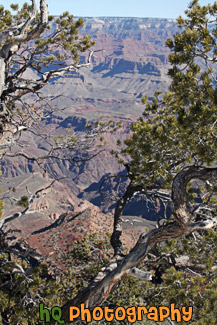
[171,156]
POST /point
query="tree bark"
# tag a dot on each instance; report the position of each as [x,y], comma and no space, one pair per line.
[98,291]
[12,46]
[117,229]
[2,76]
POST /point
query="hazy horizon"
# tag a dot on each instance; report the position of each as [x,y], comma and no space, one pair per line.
[137,9]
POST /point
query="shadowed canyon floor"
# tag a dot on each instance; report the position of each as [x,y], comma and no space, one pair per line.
[133,61]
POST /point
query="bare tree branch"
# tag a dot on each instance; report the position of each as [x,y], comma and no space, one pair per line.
[179,188]
[140,274]
[97,292]
[117,230]
[31,18]
[26,210]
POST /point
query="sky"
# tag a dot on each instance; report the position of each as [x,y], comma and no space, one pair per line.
[116,8]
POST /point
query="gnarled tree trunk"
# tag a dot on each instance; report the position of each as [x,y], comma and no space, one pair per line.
[98,291]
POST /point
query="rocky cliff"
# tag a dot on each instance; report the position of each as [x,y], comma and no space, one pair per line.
[133,61]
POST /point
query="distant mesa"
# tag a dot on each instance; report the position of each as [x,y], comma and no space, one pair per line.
[118,66]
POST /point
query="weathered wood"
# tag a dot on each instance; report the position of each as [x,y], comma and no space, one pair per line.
[2,76]
[179,188]
[98,291]
[16,36]
[117,228]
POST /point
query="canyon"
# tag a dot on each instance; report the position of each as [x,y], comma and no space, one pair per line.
[130,60]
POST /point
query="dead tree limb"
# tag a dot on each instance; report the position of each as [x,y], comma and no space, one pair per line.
[15,37]
[98,291]
[26,210]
